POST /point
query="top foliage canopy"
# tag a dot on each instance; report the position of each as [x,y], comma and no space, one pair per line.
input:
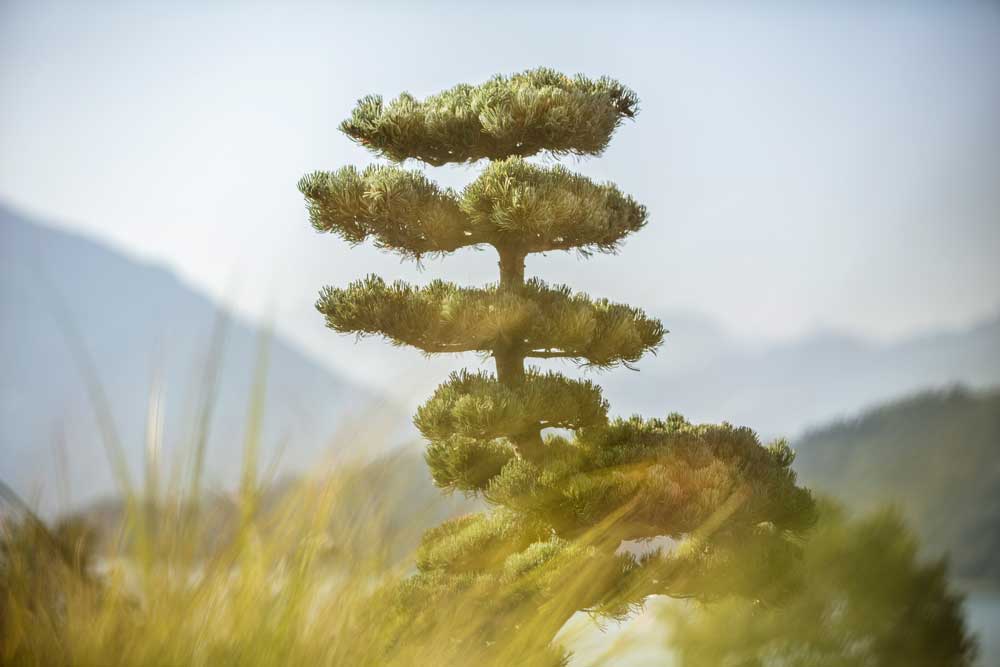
[521,115]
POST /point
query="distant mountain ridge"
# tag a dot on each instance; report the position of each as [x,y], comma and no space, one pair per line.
[781,389]
[138,323]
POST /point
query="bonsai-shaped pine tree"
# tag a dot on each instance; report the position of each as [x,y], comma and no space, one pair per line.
[560,505]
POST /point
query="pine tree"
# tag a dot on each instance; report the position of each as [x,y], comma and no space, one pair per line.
[561,504]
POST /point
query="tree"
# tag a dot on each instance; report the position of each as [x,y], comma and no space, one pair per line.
[561,505]
[863,598]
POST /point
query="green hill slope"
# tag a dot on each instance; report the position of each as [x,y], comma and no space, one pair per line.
[935,455]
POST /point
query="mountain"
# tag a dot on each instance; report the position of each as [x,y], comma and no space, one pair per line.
[936,455]
[782,388]
[140,327]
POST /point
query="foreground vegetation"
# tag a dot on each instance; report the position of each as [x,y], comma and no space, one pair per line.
[296,577]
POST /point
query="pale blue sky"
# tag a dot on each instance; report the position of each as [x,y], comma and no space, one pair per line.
[804,167]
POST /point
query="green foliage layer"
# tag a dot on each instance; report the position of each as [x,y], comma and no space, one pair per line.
[513,203]
[402,210]
[537,110]
[672,476]
[539,320]
[476,405]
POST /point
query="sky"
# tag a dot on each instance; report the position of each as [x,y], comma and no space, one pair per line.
[805,167]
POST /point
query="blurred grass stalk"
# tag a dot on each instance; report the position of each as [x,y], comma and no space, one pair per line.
[167,591]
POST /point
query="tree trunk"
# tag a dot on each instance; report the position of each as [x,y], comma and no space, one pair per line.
[509,355]
[511,268]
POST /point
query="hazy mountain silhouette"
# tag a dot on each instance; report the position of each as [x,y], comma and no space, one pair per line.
[135,320]
[783,388]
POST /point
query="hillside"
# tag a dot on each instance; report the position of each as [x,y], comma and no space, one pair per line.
[936,455]
[137,322]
